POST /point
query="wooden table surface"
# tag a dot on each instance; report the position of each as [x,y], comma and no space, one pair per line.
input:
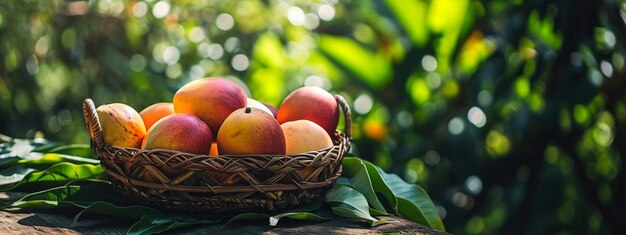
[61,222]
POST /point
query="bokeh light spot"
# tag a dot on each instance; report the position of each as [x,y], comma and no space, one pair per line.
[607,68]
[433,80]
[231,44]
[318,81]
[215,51]
[326,12]
[581,114]
[497,144]
[429,63]
[196,34]
[196,72]
[473,185]
[296,16]
[171,55]
[375,129]
[140,9]
[240,62]
[609,38]
[419,90]
[174,71]
[311,21]
[477,117]
[522,87]
[595,77]
[224,21]
[161,9]
[363,104]
[456,126]
[602,134]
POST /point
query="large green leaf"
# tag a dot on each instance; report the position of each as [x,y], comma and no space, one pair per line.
[14,174]
[49,198]
[40,153]
[151,224]
[380,187]
[105,208]
[79,150]
[57,174]
[348,202]
[413,201]
[78,194]
[39,159]
[19,147]
[408,200]
[372,68]
[356,170]
[376,181]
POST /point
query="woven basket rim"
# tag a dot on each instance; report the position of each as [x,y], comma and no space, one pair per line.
[94,128]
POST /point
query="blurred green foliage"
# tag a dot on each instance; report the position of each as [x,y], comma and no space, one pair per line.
[511,114]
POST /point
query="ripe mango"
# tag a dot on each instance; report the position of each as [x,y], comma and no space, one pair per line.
[121,125]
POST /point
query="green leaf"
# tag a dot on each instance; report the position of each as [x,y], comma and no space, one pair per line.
[41,152]
[39,159]
[360,178]
[380,187]
[300,216]
[413,201]
[348,211]
[49,198]
[19,147]
[57,174]
[105,208]
[79,150]
[151,224]
[372,68]
[344,181]
[78,194]
[246,216]
[14,174]
[375,212]
[349,203]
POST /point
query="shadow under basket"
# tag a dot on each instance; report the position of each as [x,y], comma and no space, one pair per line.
[189,182]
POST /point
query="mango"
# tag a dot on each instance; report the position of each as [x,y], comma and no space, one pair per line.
[180,132]
[121,125]
[311,103]
[303,136]
[155,112]
[250,131]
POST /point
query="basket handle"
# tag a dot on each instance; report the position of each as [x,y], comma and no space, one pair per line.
[93,123]
[347,115]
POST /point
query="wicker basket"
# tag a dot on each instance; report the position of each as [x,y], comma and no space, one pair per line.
[224,184]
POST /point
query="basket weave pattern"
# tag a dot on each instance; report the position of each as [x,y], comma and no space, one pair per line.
[194,182]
